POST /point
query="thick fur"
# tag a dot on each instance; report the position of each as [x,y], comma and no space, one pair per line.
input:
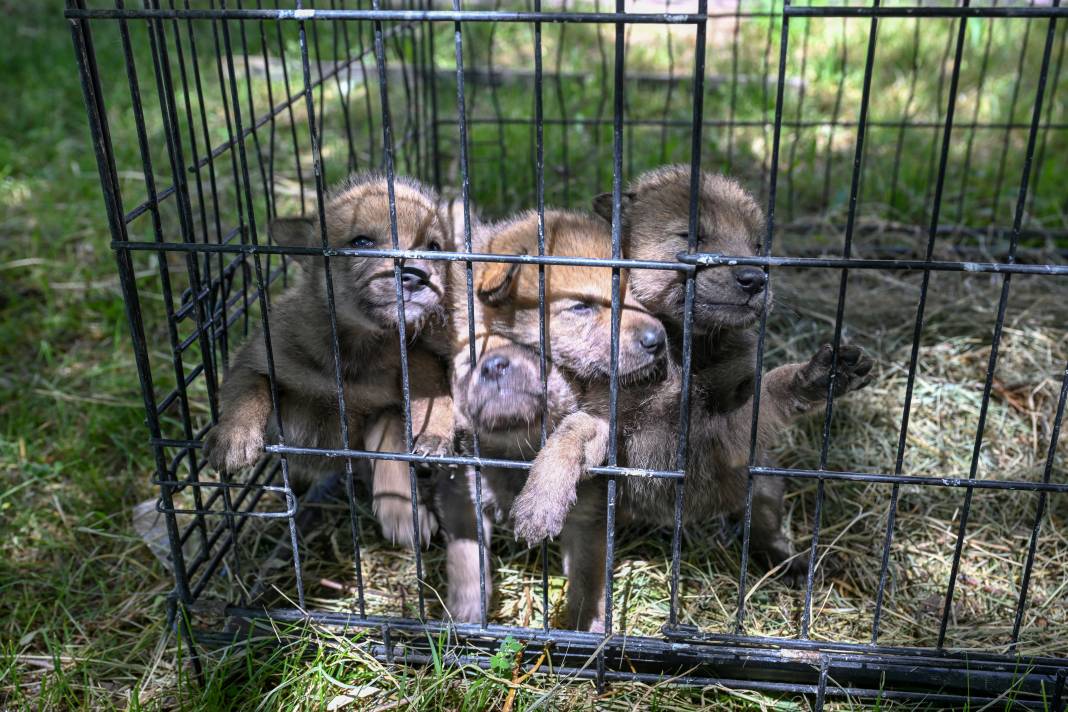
[357,214]
[727,307]
[502,400]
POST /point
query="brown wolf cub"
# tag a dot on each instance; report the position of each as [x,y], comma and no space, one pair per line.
[501,396]
[357,215]
[727,306]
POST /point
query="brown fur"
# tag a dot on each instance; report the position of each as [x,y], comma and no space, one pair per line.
[728,304]
[502,402]
[357,214]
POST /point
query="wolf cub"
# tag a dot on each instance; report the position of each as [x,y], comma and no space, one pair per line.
[727,307]
[500,395]
[357,215]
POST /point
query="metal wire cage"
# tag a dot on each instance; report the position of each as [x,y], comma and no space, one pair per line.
[242,113]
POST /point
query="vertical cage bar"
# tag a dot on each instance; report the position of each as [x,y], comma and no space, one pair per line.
[1040,157]
[543,368]
[564,169]
[984,64]
[1040,510]
[1010,118]
[387,153]
[206,324]
[825,200]
[221,297]
[1017,222]
[821,688]
[791,191]
[613,366]
[693,230]
[164,88]
[246,279]
[171,125]
[244,186]
[465,194]
[665,114]
[917,331]
[854,199]
[328,277]
[910,97]
[773,184]
[732,103]
[85,55]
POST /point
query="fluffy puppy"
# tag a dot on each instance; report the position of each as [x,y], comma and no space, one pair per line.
[728,304]
[496,396]
[357,215]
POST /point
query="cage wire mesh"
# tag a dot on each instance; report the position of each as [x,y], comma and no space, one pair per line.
[910,158]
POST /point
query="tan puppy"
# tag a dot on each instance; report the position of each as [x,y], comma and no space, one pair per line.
[357,215]
[505,383]
[727,307]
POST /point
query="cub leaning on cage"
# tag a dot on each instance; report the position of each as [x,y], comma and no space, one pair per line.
[500,397]
[727,307]
[357,215]
[501,400]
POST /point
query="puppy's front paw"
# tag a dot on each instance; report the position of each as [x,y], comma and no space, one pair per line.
[231,446]
[538,513]
[853,372]
[795,568]
[432,445]
[394,514]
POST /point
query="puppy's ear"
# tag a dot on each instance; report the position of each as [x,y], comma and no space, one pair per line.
[454,215]
[294,232]
[602,205]
[496,281]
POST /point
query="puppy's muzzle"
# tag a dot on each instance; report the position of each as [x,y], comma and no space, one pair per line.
[413,279]
[495,367]
[653,339]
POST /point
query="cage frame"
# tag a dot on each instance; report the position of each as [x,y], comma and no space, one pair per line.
[822,669]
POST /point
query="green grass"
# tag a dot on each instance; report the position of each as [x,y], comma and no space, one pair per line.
[82,600]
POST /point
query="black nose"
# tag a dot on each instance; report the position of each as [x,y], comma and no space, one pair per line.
[652,339]
[414,278]
[495,366]
[751,279]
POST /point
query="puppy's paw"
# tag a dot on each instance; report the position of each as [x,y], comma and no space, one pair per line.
[231,446]
[465,607]
[794,571]
[853,372]
[432,445]
[394,514]
[538,513]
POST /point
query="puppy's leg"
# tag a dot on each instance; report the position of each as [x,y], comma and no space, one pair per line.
[789,391]
[433,426]
[391,486]
[579,442]
[582,541]
[463,599]
[800,387]
[237,440]
[766,533]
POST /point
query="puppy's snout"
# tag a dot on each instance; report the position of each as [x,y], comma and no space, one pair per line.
[413,279]
[652,339]
[494,367]
[751,280]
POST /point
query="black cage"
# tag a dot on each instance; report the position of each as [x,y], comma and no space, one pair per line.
[931,162]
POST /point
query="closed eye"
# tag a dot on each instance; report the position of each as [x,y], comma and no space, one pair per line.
[686,236]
